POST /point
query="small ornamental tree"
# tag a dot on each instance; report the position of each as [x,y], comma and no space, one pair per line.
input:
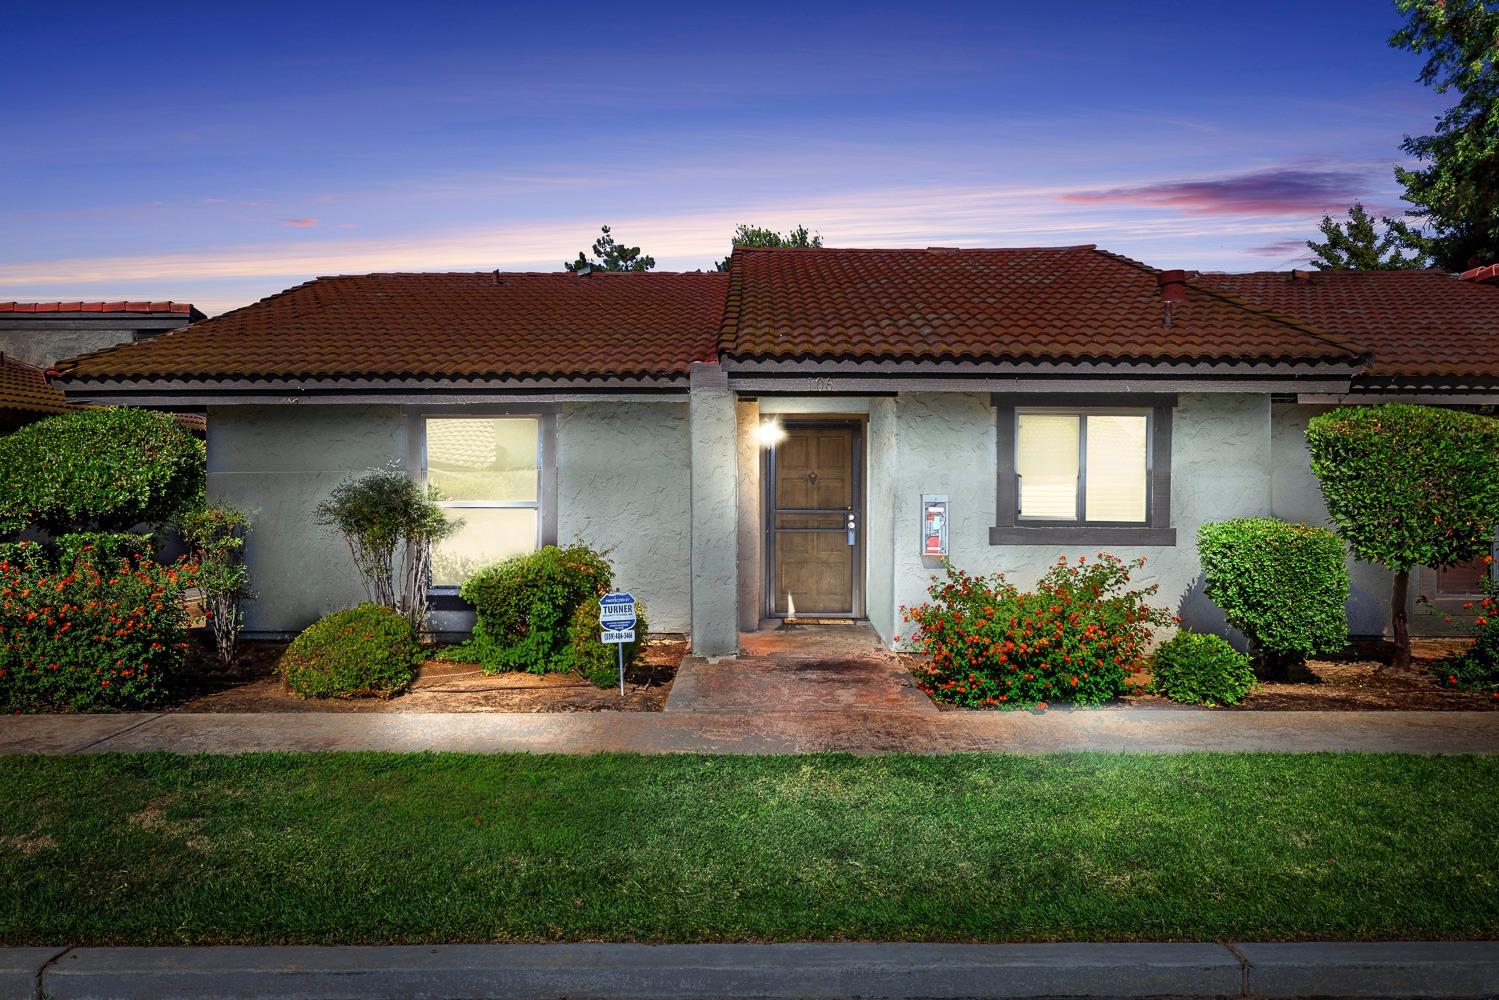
[383,515]
[98,470]
[216,535]
[1408,486]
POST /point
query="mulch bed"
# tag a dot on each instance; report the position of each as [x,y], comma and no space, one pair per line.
[253,685]
[1359,680]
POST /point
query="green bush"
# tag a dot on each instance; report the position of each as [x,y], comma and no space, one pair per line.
[1200,670]
[106,546]
[105,469]
[1408,486]
[1284,585]
[1074,638]
[591,658]
[92,631]
[365,651]
[525,605]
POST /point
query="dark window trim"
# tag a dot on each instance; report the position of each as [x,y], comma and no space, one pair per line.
[1010,529]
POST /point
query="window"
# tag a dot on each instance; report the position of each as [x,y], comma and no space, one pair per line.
[488,470]
[1083,470]
[1083,467]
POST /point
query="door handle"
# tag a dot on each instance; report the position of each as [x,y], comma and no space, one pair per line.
[851,528]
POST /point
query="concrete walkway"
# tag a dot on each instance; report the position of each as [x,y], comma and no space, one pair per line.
[682,972]
[1151,730]
[805,690]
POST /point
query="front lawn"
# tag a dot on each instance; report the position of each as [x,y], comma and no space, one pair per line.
[353,848]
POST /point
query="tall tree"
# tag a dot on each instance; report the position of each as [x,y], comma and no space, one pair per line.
[610,256]
[1456,192]
[756,236]
[1358,245]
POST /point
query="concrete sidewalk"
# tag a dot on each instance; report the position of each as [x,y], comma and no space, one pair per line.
[682,972]
[1162,730]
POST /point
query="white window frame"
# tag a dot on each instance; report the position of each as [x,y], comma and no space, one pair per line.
[545,503]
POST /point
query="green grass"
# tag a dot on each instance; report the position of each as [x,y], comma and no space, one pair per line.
[348,848]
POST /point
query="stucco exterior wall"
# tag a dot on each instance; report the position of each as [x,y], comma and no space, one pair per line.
[714,512]
[1298,498]
[1221,468]
[624,484]
[280,462]
[44,347]
[883,528]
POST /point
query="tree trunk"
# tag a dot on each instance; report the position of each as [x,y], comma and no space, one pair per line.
[1398,600]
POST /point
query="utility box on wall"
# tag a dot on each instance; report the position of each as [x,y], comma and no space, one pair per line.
[933,525]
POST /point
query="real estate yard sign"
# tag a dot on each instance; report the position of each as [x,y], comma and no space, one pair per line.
[617,619]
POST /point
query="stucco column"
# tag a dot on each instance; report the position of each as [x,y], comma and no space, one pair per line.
[715,513]
[748,457]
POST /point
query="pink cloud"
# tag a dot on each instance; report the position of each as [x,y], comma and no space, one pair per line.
[300,223]
[1280,248]
[1284,191]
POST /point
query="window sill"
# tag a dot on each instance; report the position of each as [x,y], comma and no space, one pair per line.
[446,599]
[1080,534]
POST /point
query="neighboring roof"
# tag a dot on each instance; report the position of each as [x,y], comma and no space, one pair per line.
[178,308]
[1416,323]
[25,389]
[1039,304]
[456,325]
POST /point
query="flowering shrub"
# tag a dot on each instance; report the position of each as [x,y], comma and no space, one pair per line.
[1074,638]
[1477,667]
[88,632]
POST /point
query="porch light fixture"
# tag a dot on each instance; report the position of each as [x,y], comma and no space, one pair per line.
[770,433]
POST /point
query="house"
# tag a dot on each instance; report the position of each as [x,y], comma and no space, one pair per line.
[43,333]
[807,434]
[25,395]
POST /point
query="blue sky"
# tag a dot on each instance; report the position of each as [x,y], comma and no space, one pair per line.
[216,156]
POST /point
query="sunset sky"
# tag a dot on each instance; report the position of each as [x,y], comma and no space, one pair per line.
[179,152]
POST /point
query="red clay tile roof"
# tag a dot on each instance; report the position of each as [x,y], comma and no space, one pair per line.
[1416,323]
[462,325]
[183,308]
[25,388]
[1040,304]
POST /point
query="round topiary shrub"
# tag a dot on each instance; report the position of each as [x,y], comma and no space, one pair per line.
[98,470]
[365,651]
[1200,670]
[591,658]
[1284,585]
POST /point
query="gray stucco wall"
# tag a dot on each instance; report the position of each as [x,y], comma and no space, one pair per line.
[279,462]
[624,484]
[46,346]
[1221,468]
[883,527]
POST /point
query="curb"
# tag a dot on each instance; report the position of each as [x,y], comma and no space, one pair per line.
[727,971]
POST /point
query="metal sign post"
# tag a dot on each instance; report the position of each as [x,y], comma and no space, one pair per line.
[617,619]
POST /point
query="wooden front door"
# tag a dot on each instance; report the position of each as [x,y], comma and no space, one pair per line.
[816,521]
